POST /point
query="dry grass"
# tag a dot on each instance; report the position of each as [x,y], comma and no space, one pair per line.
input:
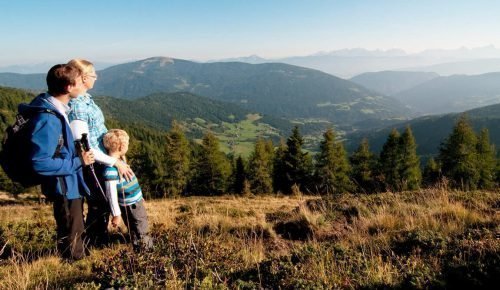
[43,273]
[407,239]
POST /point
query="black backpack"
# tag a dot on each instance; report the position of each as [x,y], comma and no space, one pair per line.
[15,156]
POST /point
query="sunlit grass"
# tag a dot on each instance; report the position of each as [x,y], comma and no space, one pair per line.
[407,240]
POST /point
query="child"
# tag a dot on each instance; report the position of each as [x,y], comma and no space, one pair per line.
[125,196]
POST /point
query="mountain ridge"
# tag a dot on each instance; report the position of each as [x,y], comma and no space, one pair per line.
[455,93]
[430,131]
[276,89]
[392,82]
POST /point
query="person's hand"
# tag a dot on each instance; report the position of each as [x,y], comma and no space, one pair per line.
[124,170]
[115,221]
[88,157]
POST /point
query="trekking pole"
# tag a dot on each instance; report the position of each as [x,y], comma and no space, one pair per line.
[83,145]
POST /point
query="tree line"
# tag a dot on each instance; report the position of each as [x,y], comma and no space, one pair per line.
[172,165]
[169,164]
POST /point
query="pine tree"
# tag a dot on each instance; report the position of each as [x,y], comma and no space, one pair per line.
[409,168]
[458,156]
[332,166]
[486,160]
[390,162]
[298,164]
[144,163]
[177,161]
[212,168]
[260,168]
[240,175]
[364,164]
[270,148]
[432,173]
[279,173]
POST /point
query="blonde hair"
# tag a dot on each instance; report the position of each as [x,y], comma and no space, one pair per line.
[84,65]
[114,139]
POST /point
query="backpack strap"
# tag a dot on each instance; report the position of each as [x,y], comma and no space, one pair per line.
[60,144]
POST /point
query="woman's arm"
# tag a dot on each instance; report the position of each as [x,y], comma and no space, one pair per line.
[79,127]
[112,193]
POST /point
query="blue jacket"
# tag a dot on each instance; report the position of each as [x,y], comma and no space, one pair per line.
[59,173]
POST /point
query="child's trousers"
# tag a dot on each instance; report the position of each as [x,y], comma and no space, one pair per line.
[135,218]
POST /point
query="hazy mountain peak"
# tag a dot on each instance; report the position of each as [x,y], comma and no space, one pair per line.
[152,63]
[488,51]
[160,60]
[352,52]
[252,59]
[43,67]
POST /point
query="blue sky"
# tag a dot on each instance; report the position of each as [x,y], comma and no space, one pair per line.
[111,30]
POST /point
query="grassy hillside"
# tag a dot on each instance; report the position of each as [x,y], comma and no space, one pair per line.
[159,110]
[236,128]
[413,240]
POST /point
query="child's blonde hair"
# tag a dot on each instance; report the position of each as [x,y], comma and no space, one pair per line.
[84,65]
[114,139]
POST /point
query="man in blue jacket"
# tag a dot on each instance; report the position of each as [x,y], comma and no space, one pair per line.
[54,157]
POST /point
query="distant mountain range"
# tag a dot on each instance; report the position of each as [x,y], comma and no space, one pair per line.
[392,82]
[347,63]
[275,89]
[42,67]
[455,93]
[430,131]
[468,67]
[34,82]
[285,93]
[428,93]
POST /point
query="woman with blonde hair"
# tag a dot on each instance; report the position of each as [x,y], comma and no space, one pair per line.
[86,118]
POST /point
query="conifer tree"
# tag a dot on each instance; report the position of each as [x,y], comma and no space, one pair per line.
[270,148]
[432,173]
[177,161]
[298,164]
[260,168]
[390,162]
[240,175]
[409,168]
[212,168]
[486,160]
[458,156]
[145,163]
[364,164]
[332,167]
[279,173]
